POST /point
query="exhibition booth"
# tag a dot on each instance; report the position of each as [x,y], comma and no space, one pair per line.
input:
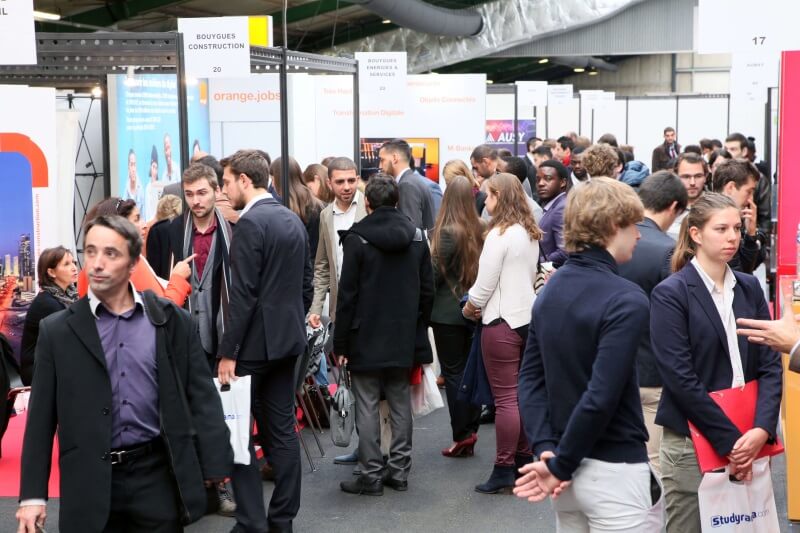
[107,114]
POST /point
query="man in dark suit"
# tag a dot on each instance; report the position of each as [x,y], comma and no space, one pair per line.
[385,294]
[271,291]
[415,195]
[552,182]
[666,152]
[124,380]
[664,198]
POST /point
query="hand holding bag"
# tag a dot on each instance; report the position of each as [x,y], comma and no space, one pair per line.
[343,411]
[235,400]
[738,507]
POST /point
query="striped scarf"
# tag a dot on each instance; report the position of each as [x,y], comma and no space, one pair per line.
[223,246]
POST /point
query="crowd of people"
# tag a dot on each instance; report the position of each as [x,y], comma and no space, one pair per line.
[590,301]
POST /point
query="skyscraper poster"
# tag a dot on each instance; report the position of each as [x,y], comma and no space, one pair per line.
[29,202]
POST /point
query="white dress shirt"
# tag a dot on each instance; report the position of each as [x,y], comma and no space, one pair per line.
[723,301]
[252,202]
[343,220]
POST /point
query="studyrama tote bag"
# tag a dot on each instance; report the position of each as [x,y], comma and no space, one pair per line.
[738,507]
[236,408]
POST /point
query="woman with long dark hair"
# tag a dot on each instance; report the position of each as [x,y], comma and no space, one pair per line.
[502,297]
[57,275]
[693,328]
[456,243]
[301,200]
[177,288]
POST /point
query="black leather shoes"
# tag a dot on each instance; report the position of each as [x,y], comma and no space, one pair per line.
[363,486]
[396,484]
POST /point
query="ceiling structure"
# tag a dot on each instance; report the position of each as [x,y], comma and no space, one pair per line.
[311,25]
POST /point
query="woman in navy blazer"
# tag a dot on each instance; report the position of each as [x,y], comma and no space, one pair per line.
[693,333]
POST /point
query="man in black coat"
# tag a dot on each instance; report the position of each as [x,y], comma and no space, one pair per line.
[385,299]
[122,377]
[664,197]
[271,292]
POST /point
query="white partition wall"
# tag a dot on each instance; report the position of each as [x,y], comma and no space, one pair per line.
[499,106]
[700,117]
[609,118]
[647,118]
[561,119]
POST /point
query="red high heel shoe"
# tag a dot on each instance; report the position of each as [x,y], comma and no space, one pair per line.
[464,448]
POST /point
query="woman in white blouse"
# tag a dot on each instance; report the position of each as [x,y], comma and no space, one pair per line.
[502,298]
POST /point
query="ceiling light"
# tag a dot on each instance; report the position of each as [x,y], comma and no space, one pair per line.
[386,21]
[543,60]
[41,15]
[593,73]
[97,91]
[579,69]
[489,82]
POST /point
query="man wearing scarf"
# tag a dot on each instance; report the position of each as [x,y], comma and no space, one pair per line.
[203,233]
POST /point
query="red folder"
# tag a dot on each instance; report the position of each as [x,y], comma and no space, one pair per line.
[739,405]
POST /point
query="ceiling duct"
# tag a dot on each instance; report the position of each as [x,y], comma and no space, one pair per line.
[422,17]
[507,23]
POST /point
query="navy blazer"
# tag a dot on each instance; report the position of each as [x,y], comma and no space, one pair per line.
[271,285]
[552,225]
[692,355]
[649,266]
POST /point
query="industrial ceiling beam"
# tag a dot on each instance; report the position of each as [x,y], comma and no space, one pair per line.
[109,14]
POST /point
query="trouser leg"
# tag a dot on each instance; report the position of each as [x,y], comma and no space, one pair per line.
[452,345]
[366,389]
[502,353]
[681,477]
[650,397]
[396,389]
[276,419]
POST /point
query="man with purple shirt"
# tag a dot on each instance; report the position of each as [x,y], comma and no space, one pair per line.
[122,376]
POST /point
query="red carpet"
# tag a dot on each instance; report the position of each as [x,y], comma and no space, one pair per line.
[10,461]
[12,451]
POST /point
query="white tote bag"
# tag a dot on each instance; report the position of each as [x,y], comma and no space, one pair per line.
[425,397]
[236,408]
[734,507]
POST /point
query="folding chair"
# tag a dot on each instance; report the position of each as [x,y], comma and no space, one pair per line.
[301,369]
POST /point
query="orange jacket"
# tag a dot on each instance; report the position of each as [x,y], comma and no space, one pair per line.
[143,278]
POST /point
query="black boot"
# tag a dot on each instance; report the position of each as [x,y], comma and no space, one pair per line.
[501,480]
[520,460]
[361,485]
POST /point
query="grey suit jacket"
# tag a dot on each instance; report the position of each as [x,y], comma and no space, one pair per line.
[325,270]
[416,201]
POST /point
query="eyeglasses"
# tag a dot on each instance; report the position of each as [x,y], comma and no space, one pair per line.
[687,177]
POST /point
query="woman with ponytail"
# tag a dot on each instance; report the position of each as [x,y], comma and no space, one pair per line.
[693,329]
